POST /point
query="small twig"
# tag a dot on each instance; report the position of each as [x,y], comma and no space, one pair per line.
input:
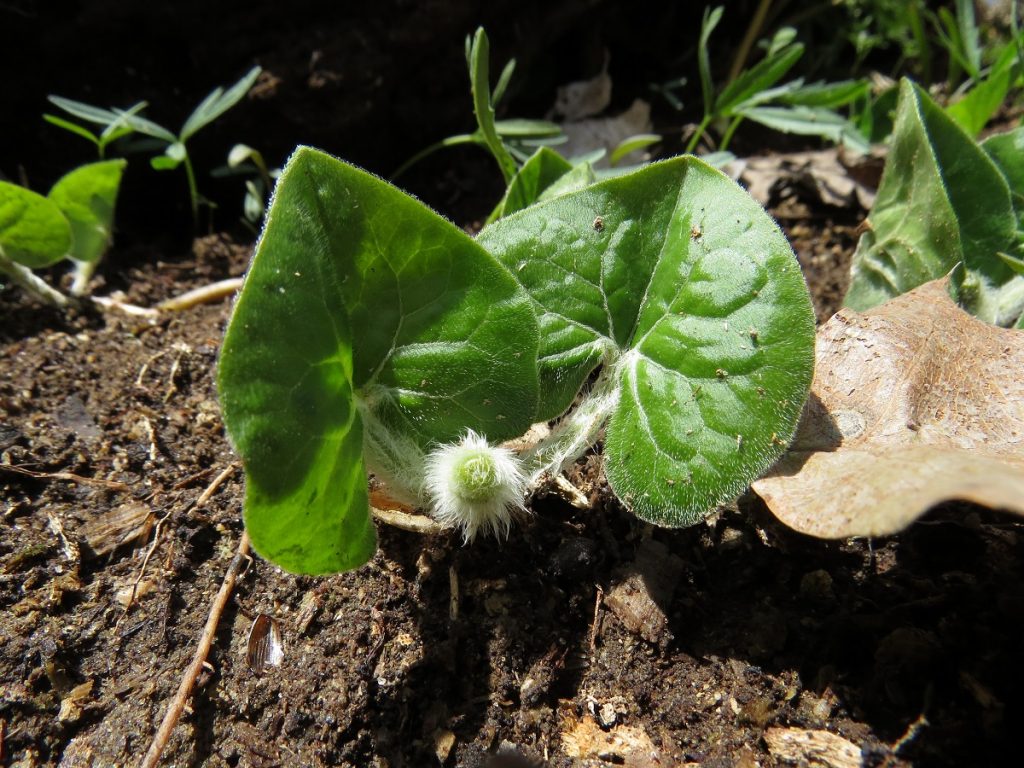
[145,562]
[406,522]
[151,434]
[217,482]
[200,502]
[109,302]
[910,734]
[453,597]
[188,680]
[597,616]
[67,477]
[183,349]
[201,295]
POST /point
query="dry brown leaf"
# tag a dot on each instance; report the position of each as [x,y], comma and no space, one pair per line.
[913,403]
[607,133]
[814,749]
[835,178]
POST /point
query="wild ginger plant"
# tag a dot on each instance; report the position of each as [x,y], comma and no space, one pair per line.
[371,335]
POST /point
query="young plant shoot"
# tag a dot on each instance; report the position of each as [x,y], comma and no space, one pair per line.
[74,221]
[372,335]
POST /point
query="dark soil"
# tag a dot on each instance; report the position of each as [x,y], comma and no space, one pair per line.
[758,627]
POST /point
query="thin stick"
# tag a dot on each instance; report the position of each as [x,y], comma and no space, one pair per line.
[201,295]
[218,481]
[107,302]
[406,522]
[68,477]
[188,680]
[200,502]
[597,617]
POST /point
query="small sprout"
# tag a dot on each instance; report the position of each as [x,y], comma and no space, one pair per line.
[475,486]
[598,224]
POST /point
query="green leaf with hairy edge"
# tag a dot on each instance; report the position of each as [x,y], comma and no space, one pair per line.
[367,322]
[941,201]
[538,173]
[33,231]
[87,197]
[691,297]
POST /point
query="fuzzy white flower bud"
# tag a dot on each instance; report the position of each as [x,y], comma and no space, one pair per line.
[474,486]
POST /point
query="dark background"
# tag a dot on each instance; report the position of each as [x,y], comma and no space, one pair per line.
[372,82]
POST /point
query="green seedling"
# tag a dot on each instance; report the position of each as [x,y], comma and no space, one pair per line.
[74,221]
[243,160]
[372,335]
[511,142]
[755,94]
[175,150]
[945,204]
[114,122]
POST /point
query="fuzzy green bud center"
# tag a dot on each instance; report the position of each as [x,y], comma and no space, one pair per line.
[476,476]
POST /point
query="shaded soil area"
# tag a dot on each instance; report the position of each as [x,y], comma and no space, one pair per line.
[533,652]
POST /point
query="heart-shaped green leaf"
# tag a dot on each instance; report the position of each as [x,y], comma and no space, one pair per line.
[87,197]
[33,231]
[368,327]
[690,296]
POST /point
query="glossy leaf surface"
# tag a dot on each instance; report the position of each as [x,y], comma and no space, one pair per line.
[33,231]
[367,323]
[689,294]
[87,197]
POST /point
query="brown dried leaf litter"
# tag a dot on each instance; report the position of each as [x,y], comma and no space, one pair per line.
[913,403]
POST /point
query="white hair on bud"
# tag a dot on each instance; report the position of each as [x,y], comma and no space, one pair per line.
[474,486]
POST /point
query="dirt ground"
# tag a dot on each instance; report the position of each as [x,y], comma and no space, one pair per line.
[742,626]
[587,639]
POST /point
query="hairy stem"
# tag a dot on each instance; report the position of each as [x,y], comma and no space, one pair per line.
[576,431]
[24,278]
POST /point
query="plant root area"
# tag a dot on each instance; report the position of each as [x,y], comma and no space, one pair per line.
[588,638]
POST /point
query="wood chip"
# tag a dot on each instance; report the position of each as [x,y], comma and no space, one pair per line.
[812,749]
[121,525]
[644,588]
[72,704]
